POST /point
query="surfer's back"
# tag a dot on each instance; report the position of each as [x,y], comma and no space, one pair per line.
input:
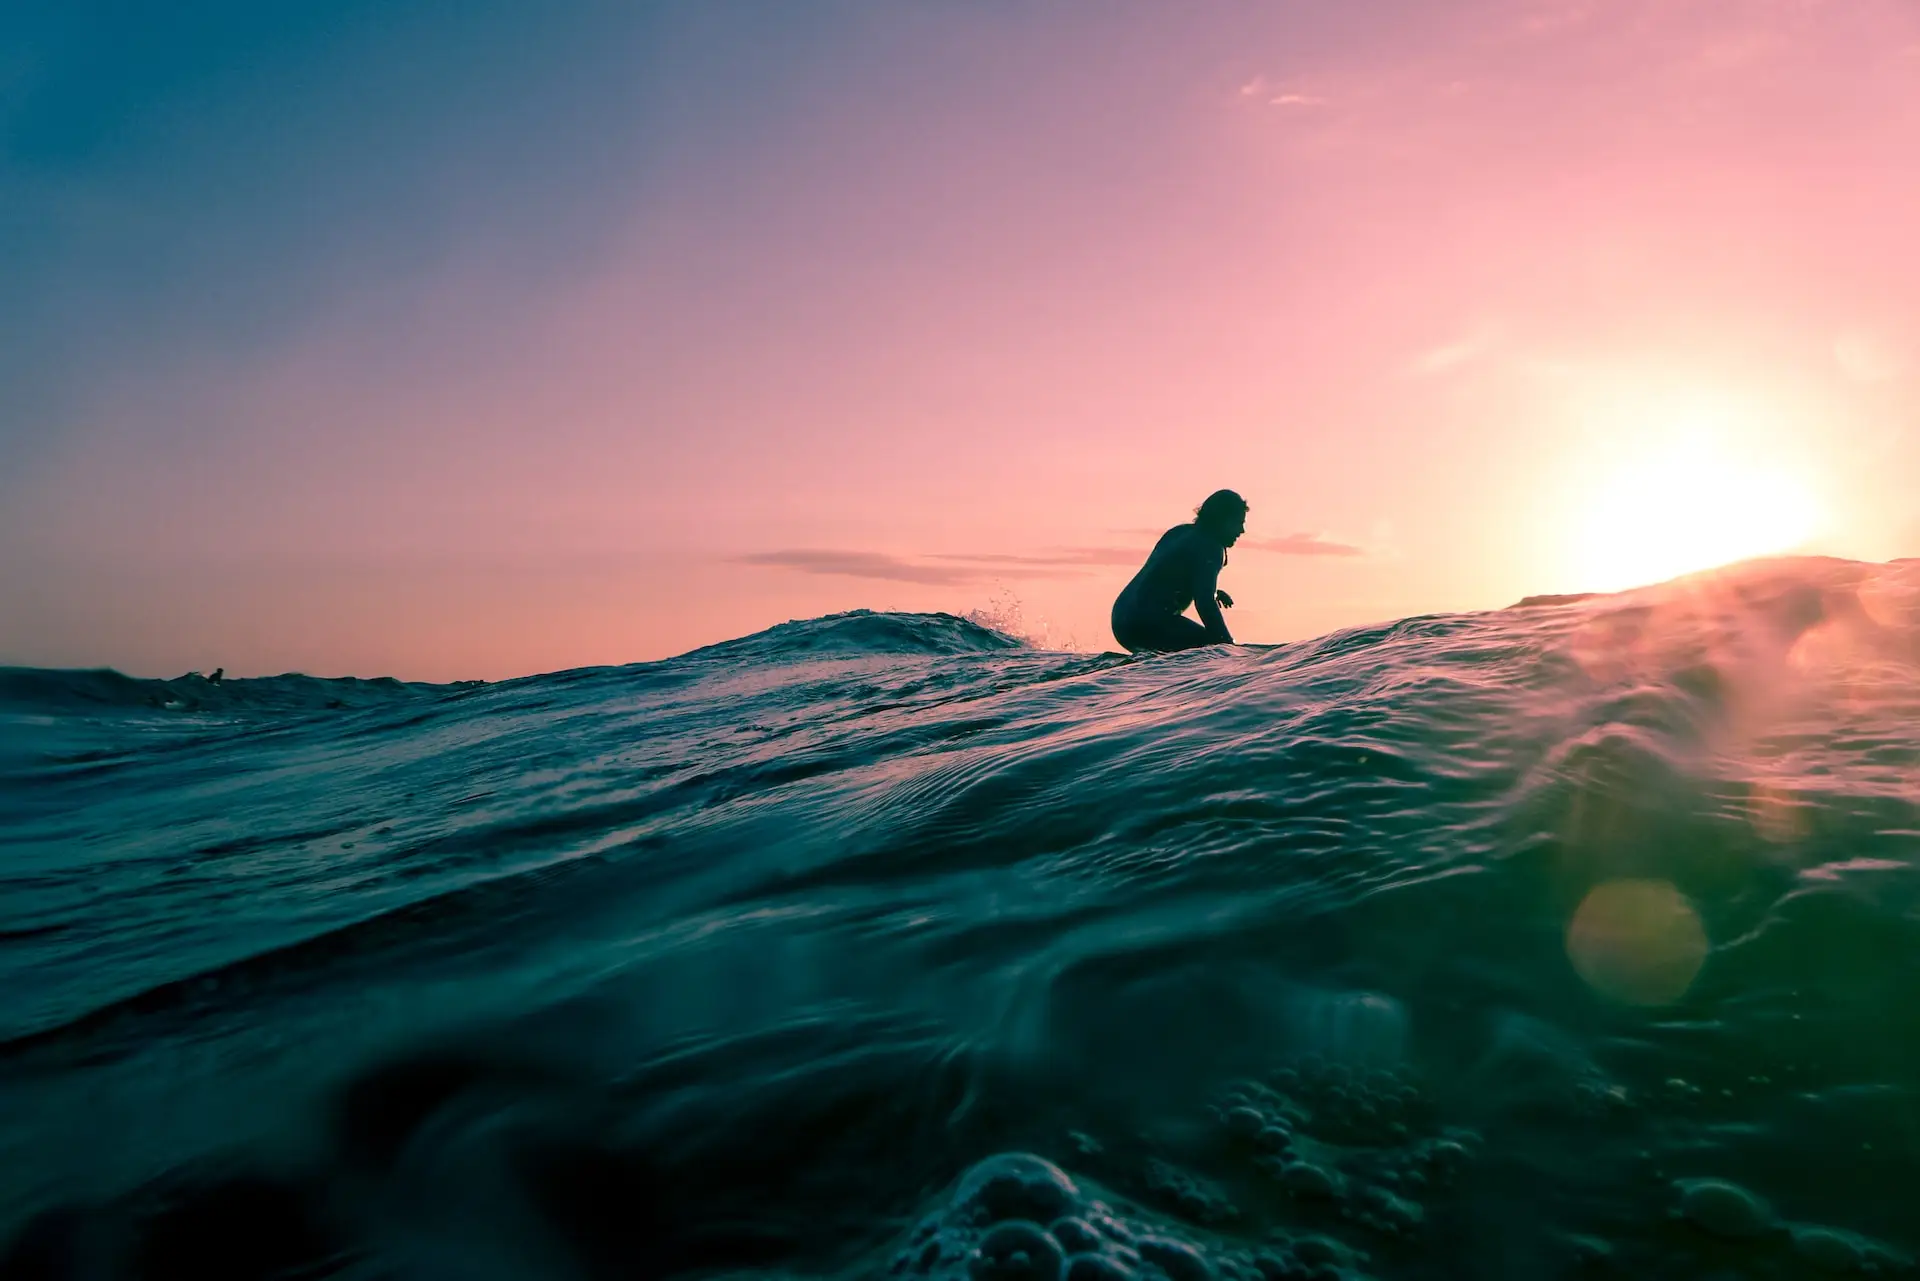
[1164,585]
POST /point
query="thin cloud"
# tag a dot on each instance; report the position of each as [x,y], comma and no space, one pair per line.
[879,565]
[1260,89]
[1302,545]
[1062,557]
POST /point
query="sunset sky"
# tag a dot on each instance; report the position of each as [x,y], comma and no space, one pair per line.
[471,339]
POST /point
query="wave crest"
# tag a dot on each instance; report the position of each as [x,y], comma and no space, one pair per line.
[862,631]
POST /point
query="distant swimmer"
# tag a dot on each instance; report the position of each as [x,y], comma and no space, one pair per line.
[1183,570]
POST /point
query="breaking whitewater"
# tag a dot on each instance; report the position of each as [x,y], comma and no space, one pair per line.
[1577,938]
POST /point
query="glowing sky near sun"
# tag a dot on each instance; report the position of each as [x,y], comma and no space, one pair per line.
[449,341]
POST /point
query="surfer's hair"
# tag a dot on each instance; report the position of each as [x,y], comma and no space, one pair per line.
[1221,507]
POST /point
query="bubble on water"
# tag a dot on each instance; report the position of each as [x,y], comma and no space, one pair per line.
[1836,1250]
[1180,1261]
[1385,1211]
[1305,1179]
[1638,942]
[1318,1250]
[1097,1267]
[1076,1236]
[1828,1249]
[1017,1251]
[989,1229]
[1273,1139]
[1723,1209]
[1278,1265]
[1245,1122]
[1196,1198]
[1017,1185]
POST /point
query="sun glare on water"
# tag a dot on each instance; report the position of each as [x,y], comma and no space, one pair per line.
[1686,501]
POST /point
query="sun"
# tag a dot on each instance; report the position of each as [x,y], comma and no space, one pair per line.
[1687,496]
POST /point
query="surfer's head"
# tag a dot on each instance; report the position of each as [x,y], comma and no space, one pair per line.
[1223,517]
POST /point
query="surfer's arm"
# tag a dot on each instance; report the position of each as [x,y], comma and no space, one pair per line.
[1206,580]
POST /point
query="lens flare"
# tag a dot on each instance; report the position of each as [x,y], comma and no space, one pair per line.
[1638,942]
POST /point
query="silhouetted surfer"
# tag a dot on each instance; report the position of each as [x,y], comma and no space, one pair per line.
[1182,570]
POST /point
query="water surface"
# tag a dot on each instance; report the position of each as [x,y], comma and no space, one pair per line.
[1579,935]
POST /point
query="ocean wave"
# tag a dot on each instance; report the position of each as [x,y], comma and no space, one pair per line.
[102,690]
[861,631]
[1579,934]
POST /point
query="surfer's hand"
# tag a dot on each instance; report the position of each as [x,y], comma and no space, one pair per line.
[1226,601]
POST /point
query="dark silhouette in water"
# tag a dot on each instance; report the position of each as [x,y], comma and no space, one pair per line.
[1182,570]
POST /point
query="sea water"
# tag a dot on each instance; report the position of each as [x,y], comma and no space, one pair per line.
[1576,938]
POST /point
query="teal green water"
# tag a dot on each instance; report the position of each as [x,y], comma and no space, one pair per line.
[1579,938]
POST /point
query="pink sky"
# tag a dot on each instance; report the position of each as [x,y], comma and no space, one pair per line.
[963,304]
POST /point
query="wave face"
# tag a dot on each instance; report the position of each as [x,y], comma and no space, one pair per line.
[1580,934]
